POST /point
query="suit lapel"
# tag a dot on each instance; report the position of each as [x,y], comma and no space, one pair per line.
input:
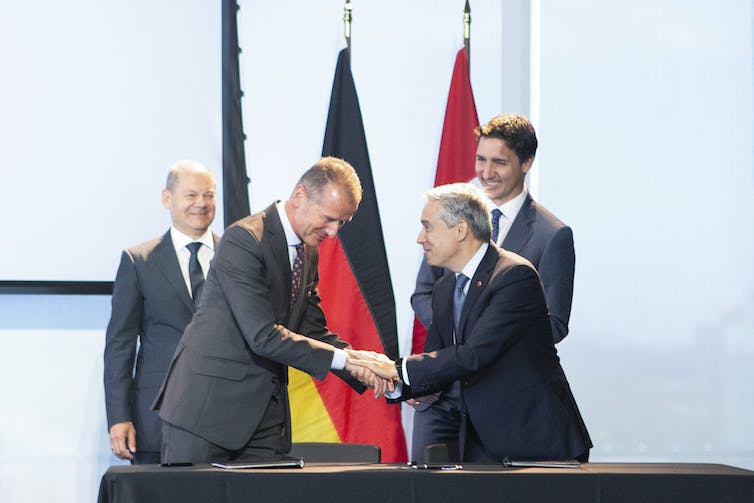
[167,263]
[521,229]
[279,246]
[444,319]
[478,283]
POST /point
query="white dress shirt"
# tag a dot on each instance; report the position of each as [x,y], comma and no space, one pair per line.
[339,356]
[206,252]
[509,212]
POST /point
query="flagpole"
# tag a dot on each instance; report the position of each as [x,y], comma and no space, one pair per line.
[467,31]
[347,24]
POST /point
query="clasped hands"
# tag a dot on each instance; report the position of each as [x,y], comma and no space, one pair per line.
[375,370]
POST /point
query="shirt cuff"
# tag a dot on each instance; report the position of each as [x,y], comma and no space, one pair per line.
[339,358]
[404,370]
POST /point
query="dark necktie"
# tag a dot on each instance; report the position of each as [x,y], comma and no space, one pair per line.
[458,299]
[195,272]
[298,265]
[496,214]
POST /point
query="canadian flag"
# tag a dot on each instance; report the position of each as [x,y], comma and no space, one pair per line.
[455,162]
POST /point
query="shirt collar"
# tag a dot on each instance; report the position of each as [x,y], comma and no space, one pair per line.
[290,237]
[471,266]
[180,240]
[511,208]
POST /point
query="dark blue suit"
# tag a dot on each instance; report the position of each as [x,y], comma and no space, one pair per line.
[151,304]
[512,387]
[538,236]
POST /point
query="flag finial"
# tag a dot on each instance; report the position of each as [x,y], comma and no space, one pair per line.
[467,29]
[347,8]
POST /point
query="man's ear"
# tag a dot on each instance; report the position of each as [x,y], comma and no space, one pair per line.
[462,230]
[526,165]
[166,198]
[298,196]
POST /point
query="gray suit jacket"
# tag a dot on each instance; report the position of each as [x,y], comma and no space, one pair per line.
[244,336]
[539,236]
[151,304]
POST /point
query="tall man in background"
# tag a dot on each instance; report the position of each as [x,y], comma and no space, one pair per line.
[225,397]
[156,290]
[505,152]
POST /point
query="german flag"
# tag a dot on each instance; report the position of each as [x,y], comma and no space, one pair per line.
[357,298]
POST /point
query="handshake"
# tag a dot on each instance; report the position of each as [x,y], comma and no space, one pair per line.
[375,370]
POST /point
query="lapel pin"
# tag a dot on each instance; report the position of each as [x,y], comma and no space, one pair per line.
[478,283]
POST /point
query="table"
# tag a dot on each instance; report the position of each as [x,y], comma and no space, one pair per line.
[383,483]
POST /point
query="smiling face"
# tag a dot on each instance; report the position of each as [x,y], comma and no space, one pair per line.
[316,217]
[440,241]
[191,202]
[499,169]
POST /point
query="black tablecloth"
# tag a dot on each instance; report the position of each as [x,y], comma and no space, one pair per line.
[333,483]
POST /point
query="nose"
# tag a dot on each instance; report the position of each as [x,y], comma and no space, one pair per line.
[483,169]
[332,228]
[422,237]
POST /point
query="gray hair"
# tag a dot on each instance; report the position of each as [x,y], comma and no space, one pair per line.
[462,202]
[185,166]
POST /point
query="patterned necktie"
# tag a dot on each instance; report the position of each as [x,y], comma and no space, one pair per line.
[196,277]
[458,298]
[496,214]
[298,265]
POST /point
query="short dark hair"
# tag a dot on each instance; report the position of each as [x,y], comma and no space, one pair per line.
[332,170]
[515,130]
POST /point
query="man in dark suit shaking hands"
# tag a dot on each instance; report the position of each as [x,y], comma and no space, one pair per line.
[225,397]
[489,347]
[505,152]
[156,289]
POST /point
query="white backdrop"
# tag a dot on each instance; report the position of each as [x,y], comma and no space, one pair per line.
[98,100]
[646,128]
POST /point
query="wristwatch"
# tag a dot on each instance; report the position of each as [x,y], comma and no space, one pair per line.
[399,368]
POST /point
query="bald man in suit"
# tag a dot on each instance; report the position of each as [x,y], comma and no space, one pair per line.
[152,303]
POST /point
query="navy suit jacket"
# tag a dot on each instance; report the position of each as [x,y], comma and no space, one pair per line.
[512,385]
[151,304]
[539,236]
[245,334]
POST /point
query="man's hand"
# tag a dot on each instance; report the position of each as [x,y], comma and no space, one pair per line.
[422,400]
[381,386]
[123,440]
[366,375]
[380,364]
[360,354]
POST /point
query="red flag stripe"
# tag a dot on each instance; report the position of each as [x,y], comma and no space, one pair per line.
[357,418]
[455,161]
